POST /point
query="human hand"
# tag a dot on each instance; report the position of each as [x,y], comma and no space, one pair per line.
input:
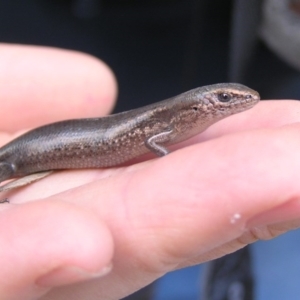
[197,203]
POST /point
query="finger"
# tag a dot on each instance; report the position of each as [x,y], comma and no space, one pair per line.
[266,226]
[39,85]
[49,244]
[268,114]
[190,203]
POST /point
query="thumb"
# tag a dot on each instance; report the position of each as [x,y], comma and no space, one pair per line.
[48,244]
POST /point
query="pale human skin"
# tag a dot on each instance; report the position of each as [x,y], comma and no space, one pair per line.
[132,224]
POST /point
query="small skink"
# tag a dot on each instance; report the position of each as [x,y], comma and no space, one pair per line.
[115,139]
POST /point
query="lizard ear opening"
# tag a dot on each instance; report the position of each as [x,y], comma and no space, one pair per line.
[195,108]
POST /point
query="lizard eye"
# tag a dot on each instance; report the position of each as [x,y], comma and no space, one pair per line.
[224,97]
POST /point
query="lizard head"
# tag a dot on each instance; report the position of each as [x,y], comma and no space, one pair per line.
[203,106]
[218,101]
[224,99]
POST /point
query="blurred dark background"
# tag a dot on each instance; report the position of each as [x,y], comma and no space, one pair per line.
[157,49]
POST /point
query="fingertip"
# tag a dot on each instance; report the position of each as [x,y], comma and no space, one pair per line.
[42,85]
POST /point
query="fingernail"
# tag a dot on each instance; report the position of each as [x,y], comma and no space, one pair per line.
[68,275]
